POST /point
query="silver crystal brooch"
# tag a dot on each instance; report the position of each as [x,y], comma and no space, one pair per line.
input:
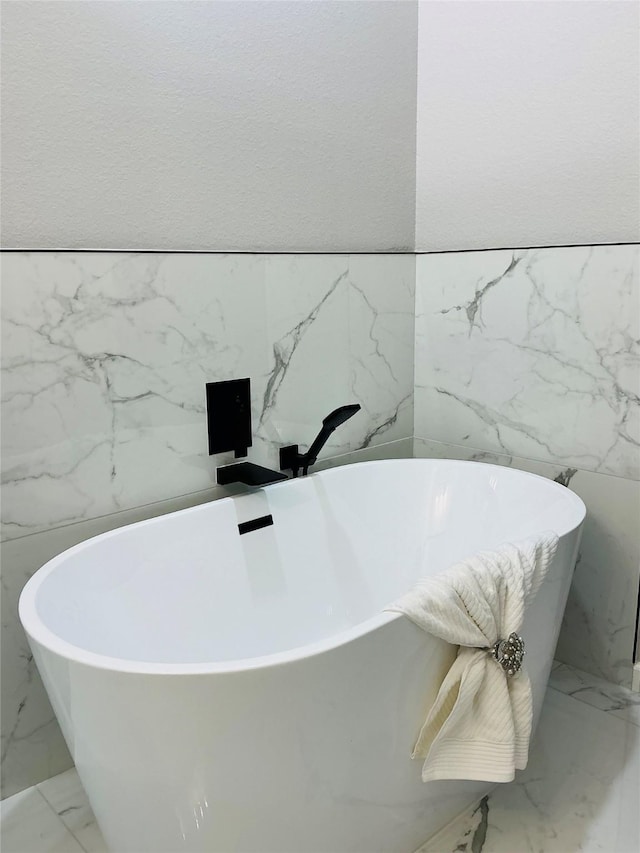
[509,653]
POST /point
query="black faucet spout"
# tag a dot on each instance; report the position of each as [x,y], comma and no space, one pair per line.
[291,459]
[247,473]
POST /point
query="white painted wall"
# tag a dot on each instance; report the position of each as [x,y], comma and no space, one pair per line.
[291,126]
[528,123]
[216,125]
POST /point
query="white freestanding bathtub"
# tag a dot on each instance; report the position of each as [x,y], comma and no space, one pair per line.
[228,692]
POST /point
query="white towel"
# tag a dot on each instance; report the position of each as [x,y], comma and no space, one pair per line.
[480,724]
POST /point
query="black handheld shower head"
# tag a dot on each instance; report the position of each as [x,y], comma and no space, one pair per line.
[329,424]
[291,459]
[339,416]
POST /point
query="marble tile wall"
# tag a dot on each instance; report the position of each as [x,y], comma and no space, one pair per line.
[104,361]
[531,358]
[106,355]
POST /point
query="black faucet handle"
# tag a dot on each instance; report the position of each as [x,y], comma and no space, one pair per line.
[290,459]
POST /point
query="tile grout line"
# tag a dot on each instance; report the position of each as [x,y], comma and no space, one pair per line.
[210,493]
[534,459]
[618,714]
[311,252]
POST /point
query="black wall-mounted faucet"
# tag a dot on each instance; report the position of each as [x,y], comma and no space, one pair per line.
[229,428]
[291,459]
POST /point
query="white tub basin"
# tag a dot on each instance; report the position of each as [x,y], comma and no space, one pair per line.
[224,692]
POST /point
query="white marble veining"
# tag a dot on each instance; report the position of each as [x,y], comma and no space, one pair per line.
[599,624]
[105,358]
[534,353]
[579,792]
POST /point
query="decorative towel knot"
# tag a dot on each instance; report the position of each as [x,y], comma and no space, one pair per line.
[509,653]
[479,725]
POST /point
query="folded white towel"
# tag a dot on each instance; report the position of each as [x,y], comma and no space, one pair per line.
[480,724]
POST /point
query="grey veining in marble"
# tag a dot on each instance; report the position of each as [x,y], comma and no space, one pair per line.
[597,692]
[66,796]
[533,353]
[106,355]
[598,628]
[30,825]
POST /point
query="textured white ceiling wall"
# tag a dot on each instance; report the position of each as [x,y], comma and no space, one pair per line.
[271,126]
[209,125]
[528,123]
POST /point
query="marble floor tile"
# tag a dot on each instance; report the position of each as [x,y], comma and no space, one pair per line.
[612,698]
[579,792]
[67,798]
[29,825]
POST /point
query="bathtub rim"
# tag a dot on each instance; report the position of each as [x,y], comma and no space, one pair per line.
[38,632]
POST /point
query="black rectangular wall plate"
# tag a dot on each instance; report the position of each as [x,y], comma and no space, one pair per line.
[229,416]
